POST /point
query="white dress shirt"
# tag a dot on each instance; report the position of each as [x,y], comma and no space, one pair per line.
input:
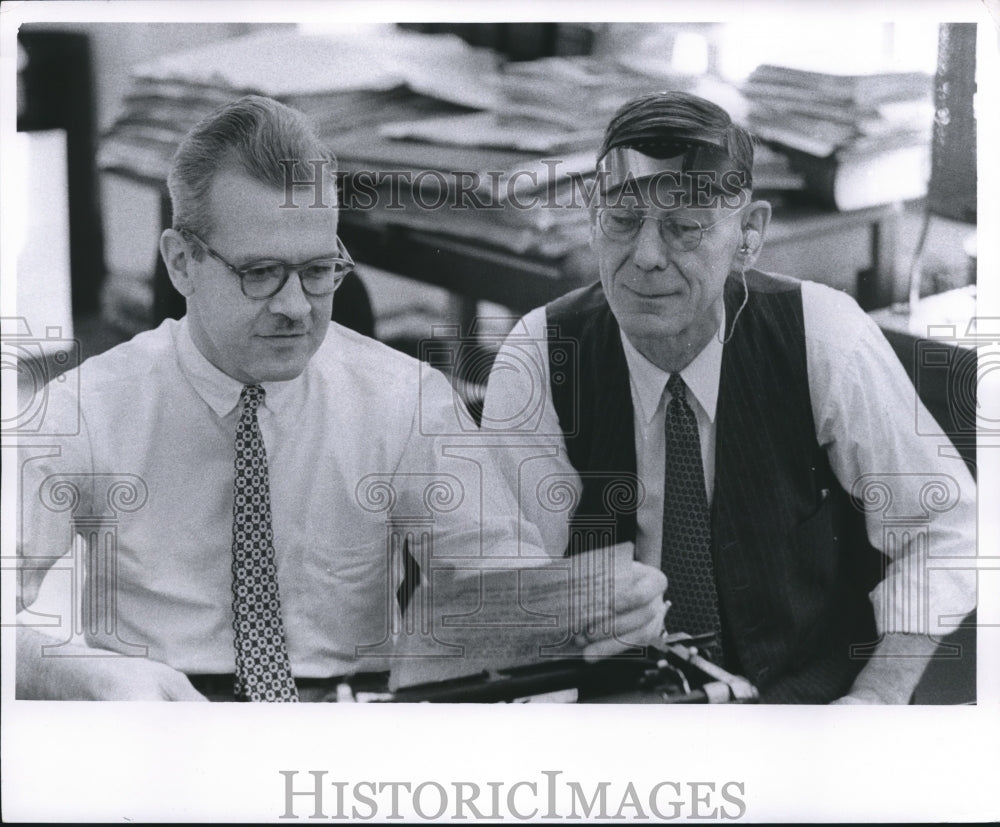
[864,410]
[363,441]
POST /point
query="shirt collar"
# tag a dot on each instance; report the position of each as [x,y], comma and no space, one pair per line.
[219,390]
[701,377]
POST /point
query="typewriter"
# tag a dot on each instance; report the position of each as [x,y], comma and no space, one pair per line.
[674,671]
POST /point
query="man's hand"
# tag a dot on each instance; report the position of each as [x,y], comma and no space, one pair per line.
[79,674]
[139,679]
[638,609]
[893,672]
[857,699]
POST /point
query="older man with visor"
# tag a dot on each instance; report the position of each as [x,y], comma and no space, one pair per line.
[748,411]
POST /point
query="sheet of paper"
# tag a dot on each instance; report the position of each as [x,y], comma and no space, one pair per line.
[492,613]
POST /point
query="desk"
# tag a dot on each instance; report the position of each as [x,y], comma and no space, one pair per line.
[939,347]
[852,251]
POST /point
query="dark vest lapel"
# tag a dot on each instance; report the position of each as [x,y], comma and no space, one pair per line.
[595,412]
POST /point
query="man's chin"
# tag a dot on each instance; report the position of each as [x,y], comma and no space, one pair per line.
[650,326]
[278,373]
[281,360]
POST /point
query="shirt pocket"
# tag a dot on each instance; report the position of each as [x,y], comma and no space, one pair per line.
[348,601]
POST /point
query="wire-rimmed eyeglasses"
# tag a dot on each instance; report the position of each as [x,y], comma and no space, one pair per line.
[682,235]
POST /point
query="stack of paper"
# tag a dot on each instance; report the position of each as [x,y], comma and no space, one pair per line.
[857,139]
[430,120]
[340,81]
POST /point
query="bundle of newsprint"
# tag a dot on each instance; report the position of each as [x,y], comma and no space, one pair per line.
[857,140]
[436,120]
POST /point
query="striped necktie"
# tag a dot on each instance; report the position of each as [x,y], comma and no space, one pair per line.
[263,669]
[686,557]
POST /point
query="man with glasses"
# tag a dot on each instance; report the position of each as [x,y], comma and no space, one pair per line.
[751,415]
[249,455]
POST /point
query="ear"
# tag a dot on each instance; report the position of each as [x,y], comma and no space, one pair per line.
[177,256]
[593,227]
[754,228]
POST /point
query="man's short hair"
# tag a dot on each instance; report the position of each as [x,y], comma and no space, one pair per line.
[254,135]
[666,117]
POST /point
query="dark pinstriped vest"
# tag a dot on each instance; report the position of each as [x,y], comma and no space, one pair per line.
[793,565]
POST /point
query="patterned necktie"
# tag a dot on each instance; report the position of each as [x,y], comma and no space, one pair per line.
[263,670]
[686,557]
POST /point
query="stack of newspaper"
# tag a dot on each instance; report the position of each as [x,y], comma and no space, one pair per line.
[857,139]
[429,132]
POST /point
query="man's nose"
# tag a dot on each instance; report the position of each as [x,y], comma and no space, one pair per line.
[651,251]
[291,300]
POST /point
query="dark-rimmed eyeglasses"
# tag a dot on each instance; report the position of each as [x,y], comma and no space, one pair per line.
[682,235]
[267,277]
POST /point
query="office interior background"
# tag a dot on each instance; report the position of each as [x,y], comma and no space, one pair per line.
[87,264]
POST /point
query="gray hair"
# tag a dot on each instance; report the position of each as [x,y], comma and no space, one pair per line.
[257,135]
